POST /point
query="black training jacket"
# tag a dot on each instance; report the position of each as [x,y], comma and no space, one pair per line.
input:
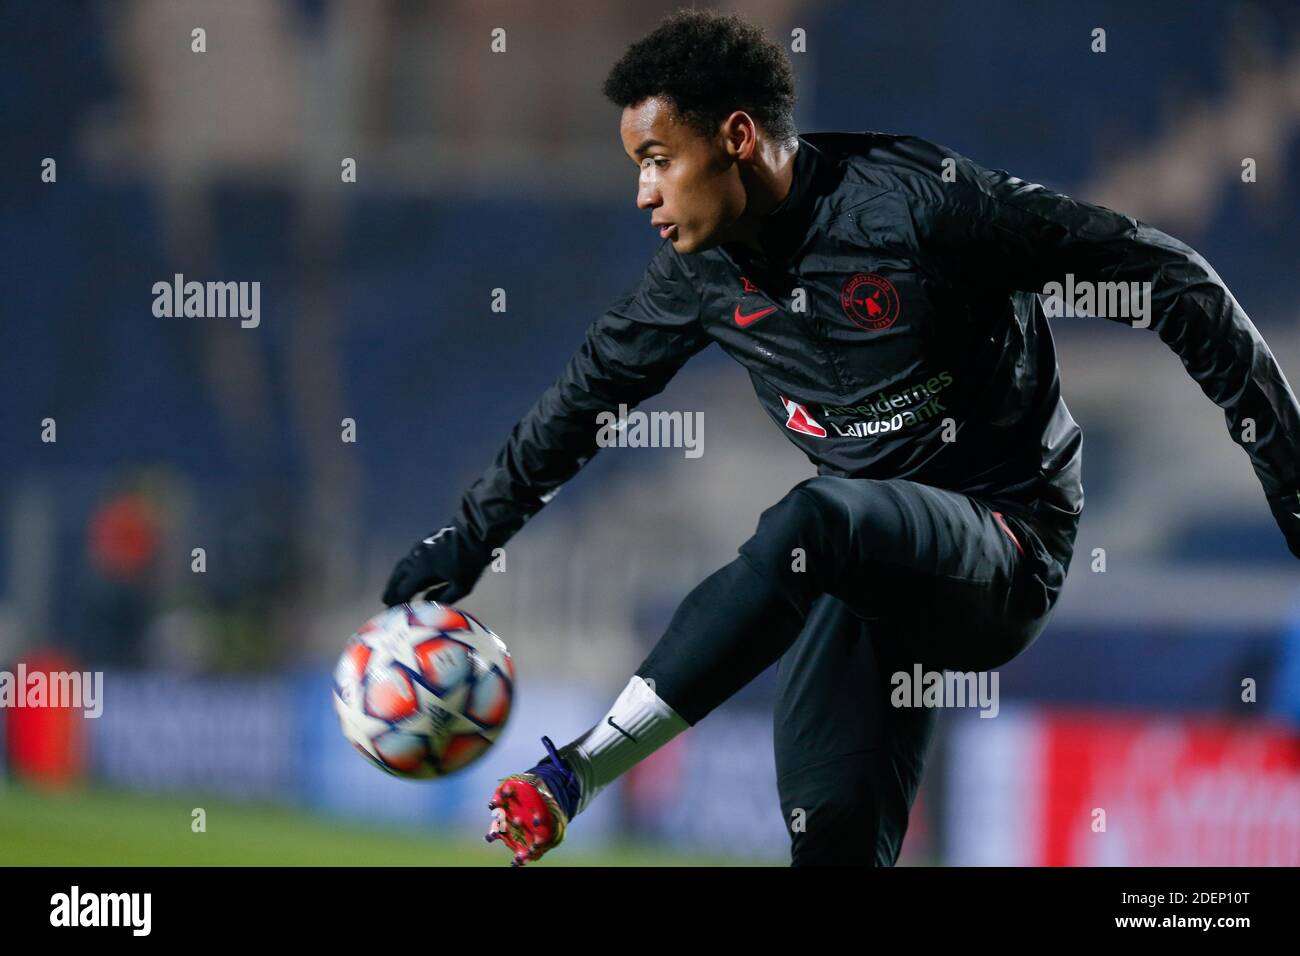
[893,329]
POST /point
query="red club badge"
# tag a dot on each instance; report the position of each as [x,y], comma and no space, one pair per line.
[870,301]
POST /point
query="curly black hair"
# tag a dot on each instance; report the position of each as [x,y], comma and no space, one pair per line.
[708,66]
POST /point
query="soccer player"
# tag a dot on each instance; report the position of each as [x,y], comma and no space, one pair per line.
[883,293]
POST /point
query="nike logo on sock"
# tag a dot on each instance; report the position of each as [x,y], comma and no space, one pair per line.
[620,730]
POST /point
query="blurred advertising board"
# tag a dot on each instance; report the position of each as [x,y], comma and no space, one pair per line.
[1087,788]
[160,732]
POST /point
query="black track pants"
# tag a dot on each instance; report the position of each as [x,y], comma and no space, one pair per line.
[847,581]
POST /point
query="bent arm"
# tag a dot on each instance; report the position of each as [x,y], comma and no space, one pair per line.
[630,354]
[1008,233]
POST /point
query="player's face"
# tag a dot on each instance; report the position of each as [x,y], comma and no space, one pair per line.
[689,182]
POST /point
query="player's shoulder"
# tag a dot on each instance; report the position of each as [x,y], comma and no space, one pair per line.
[667,293]
[669,265]
[869,163]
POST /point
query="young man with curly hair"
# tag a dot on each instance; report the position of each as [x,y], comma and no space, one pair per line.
[882,292]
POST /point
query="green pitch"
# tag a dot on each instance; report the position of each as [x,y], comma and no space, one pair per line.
[107,828]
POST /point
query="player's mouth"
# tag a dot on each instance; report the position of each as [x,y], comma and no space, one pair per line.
[666,230]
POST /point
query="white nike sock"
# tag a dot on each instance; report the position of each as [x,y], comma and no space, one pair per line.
[636,726]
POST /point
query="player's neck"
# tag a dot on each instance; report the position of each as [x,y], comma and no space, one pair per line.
[767,183]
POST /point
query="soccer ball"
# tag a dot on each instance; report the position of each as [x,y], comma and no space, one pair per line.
[422,690]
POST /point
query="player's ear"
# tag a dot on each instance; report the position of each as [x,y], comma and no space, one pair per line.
[740,135]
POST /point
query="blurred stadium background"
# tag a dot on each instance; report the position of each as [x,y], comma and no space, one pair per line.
[479,170]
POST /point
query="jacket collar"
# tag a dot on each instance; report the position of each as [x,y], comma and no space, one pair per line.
[783,229]
[808,162]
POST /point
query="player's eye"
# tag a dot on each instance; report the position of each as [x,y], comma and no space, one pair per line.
[659,162]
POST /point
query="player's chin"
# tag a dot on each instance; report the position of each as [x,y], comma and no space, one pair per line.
[688,242]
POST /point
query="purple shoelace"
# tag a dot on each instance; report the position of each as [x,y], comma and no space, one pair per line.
[560,780]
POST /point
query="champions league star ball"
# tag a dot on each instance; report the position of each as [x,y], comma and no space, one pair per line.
[422,690]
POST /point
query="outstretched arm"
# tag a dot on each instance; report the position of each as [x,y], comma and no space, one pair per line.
[630,354]
[1006,233]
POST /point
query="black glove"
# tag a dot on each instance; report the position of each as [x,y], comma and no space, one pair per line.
[1286,512]
[446,564]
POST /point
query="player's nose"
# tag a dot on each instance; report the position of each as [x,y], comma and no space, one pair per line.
[648,196]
